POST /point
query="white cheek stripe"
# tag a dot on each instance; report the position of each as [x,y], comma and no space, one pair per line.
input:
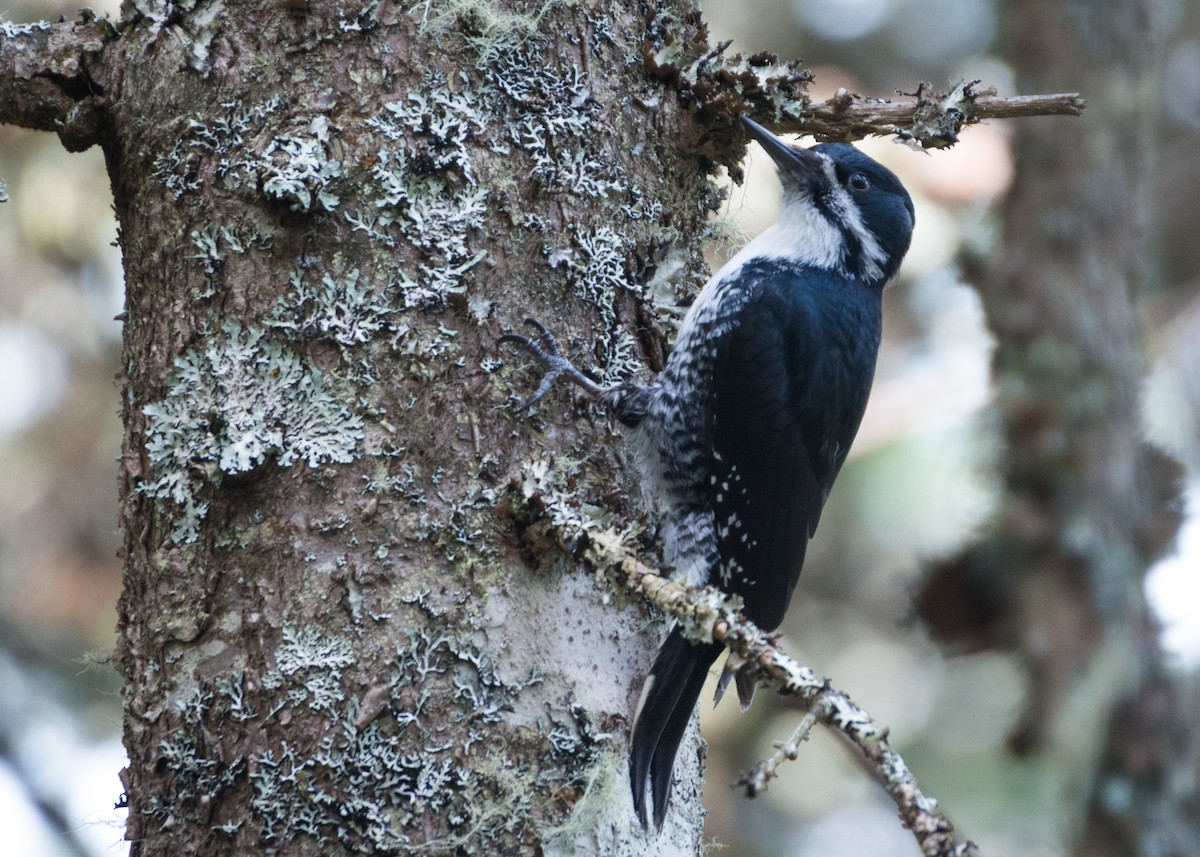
[848,212]
[804,235]
[801,234]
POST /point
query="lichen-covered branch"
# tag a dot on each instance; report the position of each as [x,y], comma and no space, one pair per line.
[47,79]
[707,614]
[927,117]
[719,87]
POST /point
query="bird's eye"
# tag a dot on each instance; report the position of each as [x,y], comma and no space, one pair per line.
[859,182]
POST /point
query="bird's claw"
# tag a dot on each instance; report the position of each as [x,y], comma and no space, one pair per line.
[544,349]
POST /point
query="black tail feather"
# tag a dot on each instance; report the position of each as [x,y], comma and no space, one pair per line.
[668,699]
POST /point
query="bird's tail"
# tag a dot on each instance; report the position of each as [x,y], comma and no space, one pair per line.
[668,698]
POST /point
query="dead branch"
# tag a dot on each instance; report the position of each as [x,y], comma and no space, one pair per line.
[755,780]
[931,119]
[707,614]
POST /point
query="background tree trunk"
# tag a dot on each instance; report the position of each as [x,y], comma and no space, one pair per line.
[346,625]
[1088,505]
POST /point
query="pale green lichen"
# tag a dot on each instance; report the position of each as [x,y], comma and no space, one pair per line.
[214,241]
[233,688]
[308,667]
[484,26]
[375,780]
[596,266]
[192,23]
[297,169]
[546,482]
[434,215]
[232,403]
[423,190]
[221,140]
[449,117]
[385,790]
[347,310]
[196,777]
[554,123]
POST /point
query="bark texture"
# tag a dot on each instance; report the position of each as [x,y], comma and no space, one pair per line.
[344,627]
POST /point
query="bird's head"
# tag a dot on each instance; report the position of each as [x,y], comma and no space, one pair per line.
[840,208]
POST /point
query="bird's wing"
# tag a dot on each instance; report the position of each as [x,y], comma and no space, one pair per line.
[786,403]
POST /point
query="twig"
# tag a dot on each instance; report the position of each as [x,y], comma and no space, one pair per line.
[707,614]
[755,780]
[775,93]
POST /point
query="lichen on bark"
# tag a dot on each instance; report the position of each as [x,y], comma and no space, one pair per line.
[335,622]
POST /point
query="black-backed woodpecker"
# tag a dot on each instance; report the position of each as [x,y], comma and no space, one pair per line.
[742,434]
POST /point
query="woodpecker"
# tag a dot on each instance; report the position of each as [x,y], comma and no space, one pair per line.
[742,434]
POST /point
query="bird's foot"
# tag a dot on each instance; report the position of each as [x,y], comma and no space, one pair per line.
[544,349]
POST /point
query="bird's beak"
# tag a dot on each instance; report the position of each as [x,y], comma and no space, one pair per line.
[796,166]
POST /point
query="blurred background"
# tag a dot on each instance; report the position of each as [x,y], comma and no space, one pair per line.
[925,477]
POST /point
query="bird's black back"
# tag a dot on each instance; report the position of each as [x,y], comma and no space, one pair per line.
[789,389]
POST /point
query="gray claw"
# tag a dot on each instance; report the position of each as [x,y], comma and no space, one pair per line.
[544,348]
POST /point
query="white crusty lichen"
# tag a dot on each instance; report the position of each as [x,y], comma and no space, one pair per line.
[340,766]
[437,283]
[223,140]
[308,667]
[11,31]
[553,123]
[211,244]
[377,777]
[546,481]
[296,166]
[448,117]
[372,794]
[362,19]
[346,309]
[193,31]
[433,214]
[596,266]
[424,191]
[298,169]
[233,402]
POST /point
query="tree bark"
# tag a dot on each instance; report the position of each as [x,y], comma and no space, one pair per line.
[344,626]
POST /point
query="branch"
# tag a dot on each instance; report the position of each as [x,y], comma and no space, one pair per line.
[46,80]
[932,119]
[719,87]
[707,614]
[755,780]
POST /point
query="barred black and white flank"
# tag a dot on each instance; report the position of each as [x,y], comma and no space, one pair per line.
[742,434]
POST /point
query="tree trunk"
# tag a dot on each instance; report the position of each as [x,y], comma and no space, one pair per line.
[347,625]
